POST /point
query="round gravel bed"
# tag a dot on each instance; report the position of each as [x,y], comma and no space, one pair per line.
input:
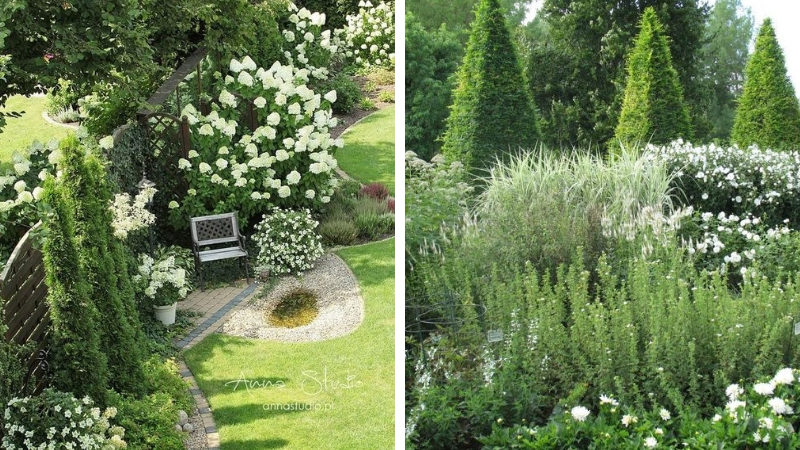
[341,307]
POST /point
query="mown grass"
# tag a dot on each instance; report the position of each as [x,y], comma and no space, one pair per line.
[29,126]
[347,382]
[368,153]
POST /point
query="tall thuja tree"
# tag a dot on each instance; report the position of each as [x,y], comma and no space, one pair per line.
[76,363]
[653,109]
[492,112]
[723,60]
[84,180]
[768,113]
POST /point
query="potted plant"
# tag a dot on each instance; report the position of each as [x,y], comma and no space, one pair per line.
[164,282]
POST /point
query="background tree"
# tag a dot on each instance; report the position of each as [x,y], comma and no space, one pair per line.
[492,113]
[768,114]
[431,59]
[653,109]
[723,58]
[592,39]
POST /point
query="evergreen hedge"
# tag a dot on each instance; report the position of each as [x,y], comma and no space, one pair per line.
[768,113]
[492,112]
[76,362]
[85,181]
[653,109]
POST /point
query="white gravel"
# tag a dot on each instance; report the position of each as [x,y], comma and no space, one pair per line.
[341,307]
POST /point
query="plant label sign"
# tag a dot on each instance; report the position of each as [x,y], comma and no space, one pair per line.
[494,336]
[796,328]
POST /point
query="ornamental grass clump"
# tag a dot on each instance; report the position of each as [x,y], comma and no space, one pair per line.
[287,161]
[538,208]
[287,242]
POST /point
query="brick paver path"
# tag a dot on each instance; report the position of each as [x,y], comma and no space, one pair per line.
[215,306]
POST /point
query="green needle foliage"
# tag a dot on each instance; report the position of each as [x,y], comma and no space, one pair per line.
[768,114]
[653,109]
[77,364]
[84,181]
[492,113]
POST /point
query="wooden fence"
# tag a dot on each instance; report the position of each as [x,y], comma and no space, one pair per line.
[23,295]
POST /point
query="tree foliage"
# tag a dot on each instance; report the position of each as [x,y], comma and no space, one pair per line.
[84,179]
[76,363]
[431,59]
[652,109]
[768,113]
[723,59]
[592,39]
[492,113]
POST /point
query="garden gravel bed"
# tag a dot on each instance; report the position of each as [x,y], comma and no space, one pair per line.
[196,439]
[341,307]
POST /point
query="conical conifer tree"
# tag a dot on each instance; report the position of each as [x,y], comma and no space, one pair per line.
[653,109]
[492,112]
[84,180]
[768,114]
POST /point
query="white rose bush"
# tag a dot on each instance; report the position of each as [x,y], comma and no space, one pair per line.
[287,161]
[288,242]
[369,36]
[57,420]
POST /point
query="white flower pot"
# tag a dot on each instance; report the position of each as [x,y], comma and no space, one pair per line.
[166,314]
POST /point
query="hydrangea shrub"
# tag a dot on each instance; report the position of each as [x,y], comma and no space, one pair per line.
[58,420]
[287,241]
[162,279]
[307,45]
[369,36]
[287,161]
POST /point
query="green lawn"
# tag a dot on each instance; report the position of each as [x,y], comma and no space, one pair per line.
[19,132]
[368,153]
[356,407]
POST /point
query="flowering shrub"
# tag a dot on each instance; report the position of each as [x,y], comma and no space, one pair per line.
[131,216]
[760,416]
[307,46]
[436,196]
[162,279]
[287,241]
[20,189]
[58,420]
[761,183]
[287,161]
[369,35]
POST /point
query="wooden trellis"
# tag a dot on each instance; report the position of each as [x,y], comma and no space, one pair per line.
[25,310]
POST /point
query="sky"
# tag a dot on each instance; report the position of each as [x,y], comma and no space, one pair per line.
[784,15]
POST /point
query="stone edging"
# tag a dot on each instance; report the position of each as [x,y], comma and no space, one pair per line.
[49,120]
[195,336]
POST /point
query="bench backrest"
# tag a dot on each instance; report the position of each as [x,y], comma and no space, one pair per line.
[216,229]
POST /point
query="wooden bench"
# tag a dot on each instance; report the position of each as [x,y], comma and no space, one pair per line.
[212,231]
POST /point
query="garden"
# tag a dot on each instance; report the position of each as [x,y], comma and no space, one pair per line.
[123,147]
[600,255]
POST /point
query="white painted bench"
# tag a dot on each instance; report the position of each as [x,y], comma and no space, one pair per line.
[213,231]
